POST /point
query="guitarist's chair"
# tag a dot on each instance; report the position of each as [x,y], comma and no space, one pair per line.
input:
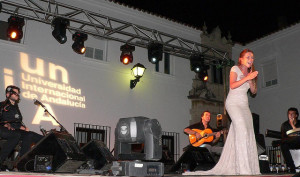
[194,158]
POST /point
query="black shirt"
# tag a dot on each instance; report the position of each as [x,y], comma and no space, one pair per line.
[11,113]
[285,126]
[199,126]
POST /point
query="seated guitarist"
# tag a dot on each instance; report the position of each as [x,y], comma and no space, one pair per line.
[204,125]
[12,127]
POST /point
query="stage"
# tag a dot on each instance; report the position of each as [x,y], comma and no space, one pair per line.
[23,174]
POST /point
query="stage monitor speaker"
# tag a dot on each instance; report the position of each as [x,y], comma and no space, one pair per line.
[264,166]
[98,154]
[260,142]
[66,154]
[255,123]
[194,158]
[137,168]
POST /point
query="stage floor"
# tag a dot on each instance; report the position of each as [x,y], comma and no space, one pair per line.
[22,174]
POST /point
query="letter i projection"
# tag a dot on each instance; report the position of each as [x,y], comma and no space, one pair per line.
[8,77]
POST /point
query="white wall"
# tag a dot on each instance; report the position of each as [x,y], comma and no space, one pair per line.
[105,85]
[272,103]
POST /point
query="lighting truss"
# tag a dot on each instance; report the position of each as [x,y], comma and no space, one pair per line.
[102,26]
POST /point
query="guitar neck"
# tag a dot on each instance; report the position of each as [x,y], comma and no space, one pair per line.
[214,133]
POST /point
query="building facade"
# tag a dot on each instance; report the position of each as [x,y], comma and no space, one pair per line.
[211,95]
[94,88]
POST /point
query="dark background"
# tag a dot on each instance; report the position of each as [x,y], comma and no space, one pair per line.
[246,20]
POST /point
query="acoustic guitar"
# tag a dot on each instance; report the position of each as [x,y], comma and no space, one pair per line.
[207,136]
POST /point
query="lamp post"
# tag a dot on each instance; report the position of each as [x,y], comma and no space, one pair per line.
[137,71]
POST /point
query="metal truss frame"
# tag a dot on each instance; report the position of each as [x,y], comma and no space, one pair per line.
[102,26]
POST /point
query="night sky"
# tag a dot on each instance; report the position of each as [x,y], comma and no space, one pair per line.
[246,20]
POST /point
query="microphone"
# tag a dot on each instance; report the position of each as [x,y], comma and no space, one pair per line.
[44,132]
[37,102]
[9,89]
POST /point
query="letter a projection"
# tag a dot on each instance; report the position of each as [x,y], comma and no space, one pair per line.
[41,116]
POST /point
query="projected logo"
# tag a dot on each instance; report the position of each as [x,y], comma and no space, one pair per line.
[52,87]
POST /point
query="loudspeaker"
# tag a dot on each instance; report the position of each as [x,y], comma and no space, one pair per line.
[66,154]
[194,158]
[255,123]
[261,149]
[260,142]
[98,154]
[137,168]
[264,166]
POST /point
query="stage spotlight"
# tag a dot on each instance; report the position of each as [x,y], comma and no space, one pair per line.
[78,45]
[126,55]
[138,131]
[203,75]
[197,62]
[138,72]
[14,29]
[155,52]
[197,65]
[60,26]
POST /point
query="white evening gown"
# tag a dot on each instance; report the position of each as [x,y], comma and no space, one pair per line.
[239,156]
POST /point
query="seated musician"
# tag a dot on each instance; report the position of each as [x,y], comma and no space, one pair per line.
[290,141]
[204,125]
[12,127]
